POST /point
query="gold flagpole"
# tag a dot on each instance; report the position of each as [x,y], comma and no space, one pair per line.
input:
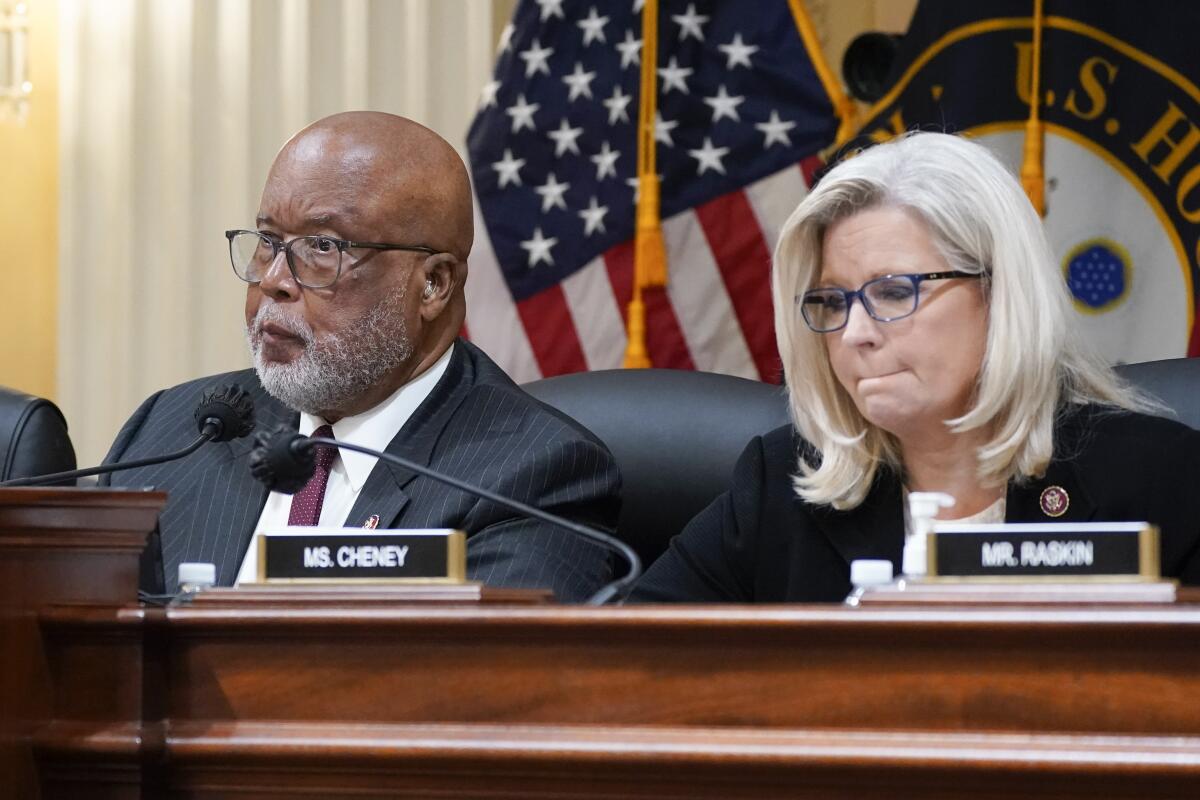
[650,255]
[1033,173]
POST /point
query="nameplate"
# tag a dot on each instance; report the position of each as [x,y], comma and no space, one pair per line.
[1083,551]
[350,555]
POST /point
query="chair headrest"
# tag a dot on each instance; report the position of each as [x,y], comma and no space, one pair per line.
[33,436]
[1174,381]
[675,435]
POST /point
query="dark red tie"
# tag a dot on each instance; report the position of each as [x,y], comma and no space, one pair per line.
[306,503]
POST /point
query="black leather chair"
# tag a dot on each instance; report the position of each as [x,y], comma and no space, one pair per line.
[1174,381]
[33,437]
[675,435]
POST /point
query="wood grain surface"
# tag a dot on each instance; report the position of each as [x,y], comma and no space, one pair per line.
[401,692]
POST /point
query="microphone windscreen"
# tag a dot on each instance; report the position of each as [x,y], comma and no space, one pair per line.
[283,460]
[227,412]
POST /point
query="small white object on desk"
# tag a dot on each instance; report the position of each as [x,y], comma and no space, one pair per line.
[193,576]
[923,507]
[870,572]
[867,574]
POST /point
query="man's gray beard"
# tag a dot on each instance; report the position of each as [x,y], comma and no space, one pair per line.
[339,367]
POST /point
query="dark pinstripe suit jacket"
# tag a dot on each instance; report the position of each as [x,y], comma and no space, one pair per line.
[476,425]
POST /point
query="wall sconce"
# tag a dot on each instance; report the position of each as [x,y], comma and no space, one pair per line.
[15,87]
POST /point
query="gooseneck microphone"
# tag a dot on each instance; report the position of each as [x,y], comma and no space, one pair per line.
[284,460]
[224,413]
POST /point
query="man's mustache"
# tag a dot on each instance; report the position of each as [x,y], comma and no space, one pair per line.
[275,315]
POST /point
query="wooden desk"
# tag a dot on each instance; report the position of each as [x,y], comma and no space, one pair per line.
[240,695]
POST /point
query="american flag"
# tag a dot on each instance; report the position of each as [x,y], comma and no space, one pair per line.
[553,157]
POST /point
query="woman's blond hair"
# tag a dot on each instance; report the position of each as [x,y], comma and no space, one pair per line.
[981,222]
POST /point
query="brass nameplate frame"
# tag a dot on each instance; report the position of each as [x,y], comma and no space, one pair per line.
[354,556]
[1057,552]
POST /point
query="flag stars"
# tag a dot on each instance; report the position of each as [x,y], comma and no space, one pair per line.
[635,184]
[564,139]
[550,8]
[505,38]
[606,162]
[538,248]
[630,50]
[552,193]
[508,169]
[487,97]
[709,157]
[674,76]
[724,105]
[579,83]
[593,27]
[522,114]
[775,130]
[617,105]
[536,59]
[663,128]
[737,53]
[593,217]
[689,23]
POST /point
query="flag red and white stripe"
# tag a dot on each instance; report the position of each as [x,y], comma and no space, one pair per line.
[714,315]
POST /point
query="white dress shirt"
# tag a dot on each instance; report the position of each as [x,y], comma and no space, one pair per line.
[374,428]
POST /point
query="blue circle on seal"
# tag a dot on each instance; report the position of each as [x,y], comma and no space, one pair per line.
[1098,275]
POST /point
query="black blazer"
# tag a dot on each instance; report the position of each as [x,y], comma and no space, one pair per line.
[476,425]
[759,542]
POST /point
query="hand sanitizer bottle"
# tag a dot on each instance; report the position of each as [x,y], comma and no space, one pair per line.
[922,508]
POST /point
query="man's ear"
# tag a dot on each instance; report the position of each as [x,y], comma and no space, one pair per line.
[443,277]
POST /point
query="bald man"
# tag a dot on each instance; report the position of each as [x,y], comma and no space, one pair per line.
[354,300]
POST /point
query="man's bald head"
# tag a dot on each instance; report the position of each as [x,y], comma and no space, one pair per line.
[384,189]
[393,171]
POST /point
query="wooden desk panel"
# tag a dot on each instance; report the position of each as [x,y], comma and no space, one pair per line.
[1046,670]
[518,701]
[495,695]
[77,546]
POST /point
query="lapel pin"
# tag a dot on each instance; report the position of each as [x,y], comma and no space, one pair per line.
[1054,501]
[372,522]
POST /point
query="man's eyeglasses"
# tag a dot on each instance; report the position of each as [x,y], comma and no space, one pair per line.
[315,261]
[886,299]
